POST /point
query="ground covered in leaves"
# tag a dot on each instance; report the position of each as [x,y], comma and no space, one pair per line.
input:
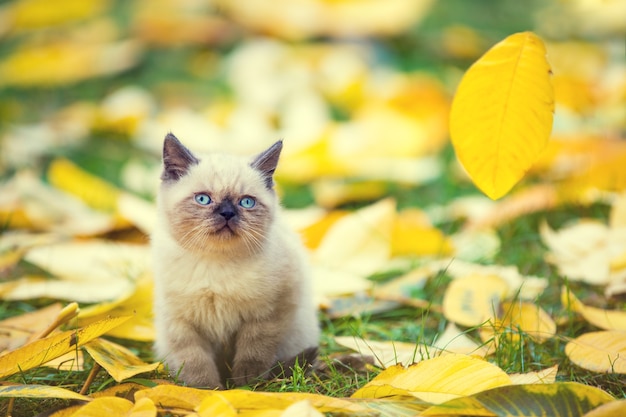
[507,307]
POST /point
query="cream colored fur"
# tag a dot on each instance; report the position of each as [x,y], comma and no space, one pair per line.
[212,295]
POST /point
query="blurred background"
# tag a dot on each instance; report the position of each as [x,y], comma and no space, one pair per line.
[358,89]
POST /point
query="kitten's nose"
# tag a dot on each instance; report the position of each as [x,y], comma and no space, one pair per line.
[227,210]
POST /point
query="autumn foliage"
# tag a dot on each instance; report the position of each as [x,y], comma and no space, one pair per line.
[484,195]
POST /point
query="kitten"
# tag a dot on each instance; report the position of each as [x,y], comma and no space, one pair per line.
[232,293]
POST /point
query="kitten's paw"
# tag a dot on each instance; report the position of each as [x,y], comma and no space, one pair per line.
[196,378]
[247,371]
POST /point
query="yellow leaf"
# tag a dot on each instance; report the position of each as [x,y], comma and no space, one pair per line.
[473,299]
[604,319]
[119,362]
[360,241]
[63,61]
[603,351]
[144,407]
[562,399]
[30,14]
[174,396]
[43,350]
[519,317]
[301,409]
[545,376]
[439,379]
[138,304]
[611,409]
[16,331]
[501,116]
[105,407]
[216,405]
[40,391]
[388,353]
[330,193]
[412,234]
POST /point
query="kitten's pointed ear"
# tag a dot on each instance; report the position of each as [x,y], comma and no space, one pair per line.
[176,159]
[266,162]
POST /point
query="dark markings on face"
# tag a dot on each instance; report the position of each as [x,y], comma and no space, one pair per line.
[221,225]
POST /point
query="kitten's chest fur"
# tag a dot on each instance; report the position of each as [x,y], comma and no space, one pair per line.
[216,296]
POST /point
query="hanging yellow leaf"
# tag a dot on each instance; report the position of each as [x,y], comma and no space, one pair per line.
[562,399]
[603,351]
[604,319]
[119,362]
[39,391]
[43,350]
[437,380]
[501,116]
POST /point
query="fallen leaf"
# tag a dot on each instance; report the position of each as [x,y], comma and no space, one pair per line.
[438,379]
[86,271]
[501,116]
[41,351]
[118,361]
[603,351]
[604,319]
[301,409]
[358,242]
[515,318]
[585,251]
[19,330]
[40,391]
[412,234]
[137,304]
[322,18]
[545,376]
[106,407]
[388,353]
[561,399]
[610,409]
[474,299]
[453,340]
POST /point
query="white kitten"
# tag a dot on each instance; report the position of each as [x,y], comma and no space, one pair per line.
[232,289]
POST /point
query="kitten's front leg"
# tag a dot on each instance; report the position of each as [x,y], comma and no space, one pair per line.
[257,346]
[193,357]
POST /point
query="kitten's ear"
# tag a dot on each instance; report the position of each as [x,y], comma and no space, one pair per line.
[266,162]
[176,159]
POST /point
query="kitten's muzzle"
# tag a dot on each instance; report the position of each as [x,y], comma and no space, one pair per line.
[227,210]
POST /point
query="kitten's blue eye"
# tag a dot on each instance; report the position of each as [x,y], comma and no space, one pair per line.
[203,199]
[247,202]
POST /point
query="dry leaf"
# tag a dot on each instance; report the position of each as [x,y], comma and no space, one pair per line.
[118,361]
[515,318]
[545,376]
[389,353]
[474,299]
[437,380]
[603,351]
[501,116]
[40,391]
[40,351]
[563,399]
[604,319]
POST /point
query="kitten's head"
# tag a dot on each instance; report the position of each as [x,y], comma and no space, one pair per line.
[218,203]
